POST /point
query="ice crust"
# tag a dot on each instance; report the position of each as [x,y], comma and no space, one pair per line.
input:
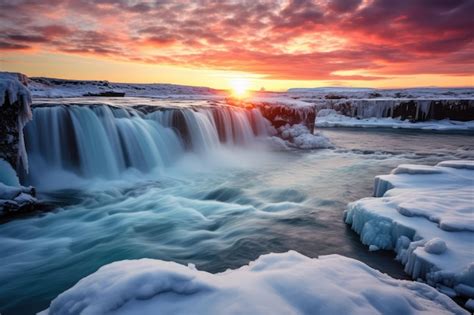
[287,283]
[426,215]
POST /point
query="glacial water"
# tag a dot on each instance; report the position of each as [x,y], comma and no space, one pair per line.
[216,197]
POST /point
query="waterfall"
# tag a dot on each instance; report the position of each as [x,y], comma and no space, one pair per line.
[102,141]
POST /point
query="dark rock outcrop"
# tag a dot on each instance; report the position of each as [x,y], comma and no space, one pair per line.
[15,112]
[410,109]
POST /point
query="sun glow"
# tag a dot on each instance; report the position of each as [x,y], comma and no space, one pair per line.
[240,87]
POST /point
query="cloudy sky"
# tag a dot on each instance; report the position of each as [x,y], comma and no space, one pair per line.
[275,44]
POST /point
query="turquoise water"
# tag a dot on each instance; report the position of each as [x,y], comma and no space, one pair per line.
[216,211]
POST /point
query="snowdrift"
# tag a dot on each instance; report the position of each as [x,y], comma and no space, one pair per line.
[287,283]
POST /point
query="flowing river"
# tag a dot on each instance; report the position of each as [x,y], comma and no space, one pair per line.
[201,186]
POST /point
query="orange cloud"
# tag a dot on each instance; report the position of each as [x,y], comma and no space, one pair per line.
[279,40]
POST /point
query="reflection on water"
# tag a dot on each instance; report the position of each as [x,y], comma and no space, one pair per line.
[217,212]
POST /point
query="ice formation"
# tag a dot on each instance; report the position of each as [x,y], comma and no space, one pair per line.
[58,88]
[12,88]
[426,215]
[287,283]
[299,136]
[13,196]
[331,118]
[15,112]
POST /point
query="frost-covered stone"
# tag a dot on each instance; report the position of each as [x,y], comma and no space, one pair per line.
[287,283]
[425,214]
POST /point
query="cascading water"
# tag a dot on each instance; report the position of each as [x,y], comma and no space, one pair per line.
[102,142]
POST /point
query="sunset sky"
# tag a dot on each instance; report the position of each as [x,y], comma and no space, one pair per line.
[273,44]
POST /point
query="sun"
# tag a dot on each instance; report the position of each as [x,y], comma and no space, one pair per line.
[240,87]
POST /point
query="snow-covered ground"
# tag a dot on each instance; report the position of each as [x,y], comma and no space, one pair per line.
[59,88]
[370,93]
[330,118]
[426,215]
[287,283]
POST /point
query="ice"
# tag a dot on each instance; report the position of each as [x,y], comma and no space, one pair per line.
[330,118]
[299,136]
[7,174]
[12,86]
[436,246]
[365,93]
[286,283]
[470,304]
[59,88]
[425,214]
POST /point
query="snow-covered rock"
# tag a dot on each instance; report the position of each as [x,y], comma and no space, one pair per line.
[15,112]
[13,196]
[287,283]
[299,136]
[426,215]
[59,88]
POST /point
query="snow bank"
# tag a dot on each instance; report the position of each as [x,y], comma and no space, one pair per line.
[287,283]
[299,136]
[330,118]
[426,215]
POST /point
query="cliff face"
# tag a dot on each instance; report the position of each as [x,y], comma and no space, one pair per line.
[15,112]
[411,109]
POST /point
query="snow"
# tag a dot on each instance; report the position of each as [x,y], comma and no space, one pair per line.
[286,283]
[11,86]
[425,214]
[12,194]
[330,118]
[436,246]
[299,136]
[469,304]
[366,93]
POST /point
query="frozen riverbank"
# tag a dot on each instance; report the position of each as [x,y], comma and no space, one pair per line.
[426,215]
[287,283]
[330,118]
